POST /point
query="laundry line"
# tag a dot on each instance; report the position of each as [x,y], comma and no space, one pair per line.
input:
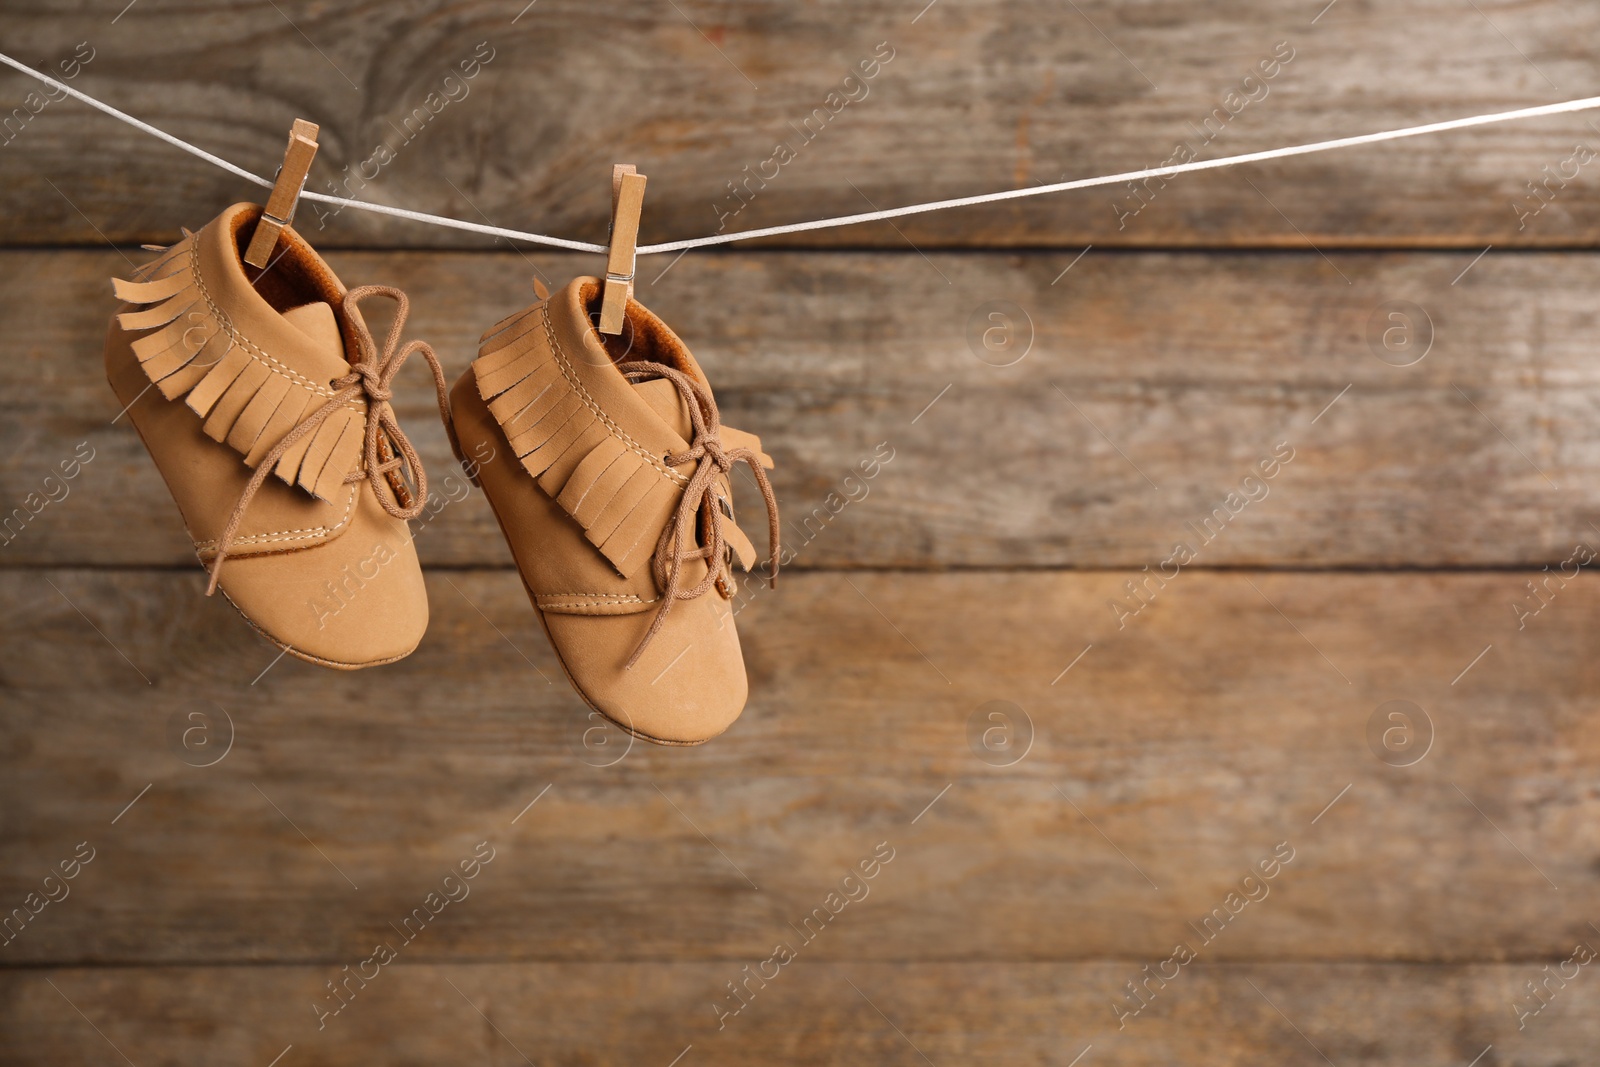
[1587,103]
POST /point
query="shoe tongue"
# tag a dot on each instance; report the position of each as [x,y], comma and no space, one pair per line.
[665,400]
[320,327]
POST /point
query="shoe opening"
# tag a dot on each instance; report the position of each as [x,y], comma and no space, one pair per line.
[294,276]
[643,337]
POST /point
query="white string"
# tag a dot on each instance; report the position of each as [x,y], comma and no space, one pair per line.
[136,123]
[342,201]
[1585,104]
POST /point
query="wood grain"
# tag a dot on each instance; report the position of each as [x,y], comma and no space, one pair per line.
[1232,715]
[1154,385]
[978,97]
[1075,764]
[941,1013]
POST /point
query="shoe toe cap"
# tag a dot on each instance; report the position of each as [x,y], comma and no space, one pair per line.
[355,601]
[688,687]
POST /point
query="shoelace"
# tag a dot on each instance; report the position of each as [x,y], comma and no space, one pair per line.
[699,501]
[371,375]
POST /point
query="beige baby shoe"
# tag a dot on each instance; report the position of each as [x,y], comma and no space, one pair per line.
[609,475]
[265,404]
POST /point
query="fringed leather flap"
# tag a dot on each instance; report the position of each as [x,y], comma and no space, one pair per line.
[743,550]
[619,491]
[614,487]
[248,398]
[732,439]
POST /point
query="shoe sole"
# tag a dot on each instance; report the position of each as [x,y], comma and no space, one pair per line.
[337,665]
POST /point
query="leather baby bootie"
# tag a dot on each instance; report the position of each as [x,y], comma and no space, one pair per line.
[264,402]
[609,476]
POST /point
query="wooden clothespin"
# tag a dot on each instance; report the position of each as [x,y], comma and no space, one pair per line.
[627,200]
[279,211]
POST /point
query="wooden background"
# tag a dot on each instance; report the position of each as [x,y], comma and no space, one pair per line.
[1236,311]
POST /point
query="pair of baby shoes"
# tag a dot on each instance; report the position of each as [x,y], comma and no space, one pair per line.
[264,400]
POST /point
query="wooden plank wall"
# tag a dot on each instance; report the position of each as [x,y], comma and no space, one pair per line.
[1424,538]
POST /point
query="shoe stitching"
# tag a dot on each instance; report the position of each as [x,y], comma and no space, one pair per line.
[559,605]
[594,406]
[302,534]
[616,598]
[223,322]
